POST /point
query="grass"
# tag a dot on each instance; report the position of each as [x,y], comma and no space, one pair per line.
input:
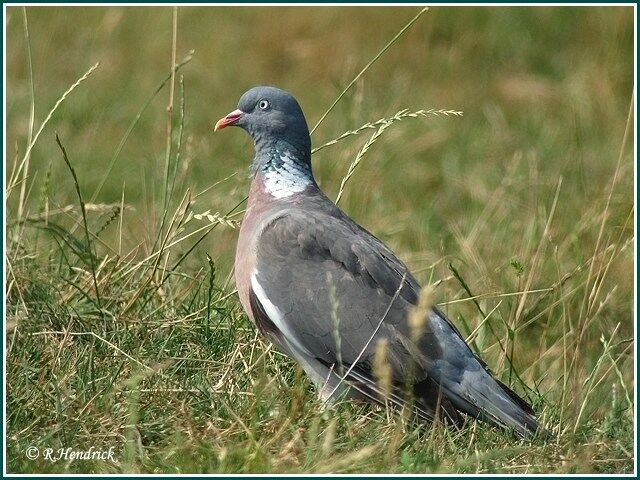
[122,325]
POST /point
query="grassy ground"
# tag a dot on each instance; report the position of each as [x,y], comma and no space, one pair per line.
[123,329]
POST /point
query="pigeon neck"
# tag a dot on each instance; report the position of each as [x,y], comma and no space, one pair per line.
[284,169]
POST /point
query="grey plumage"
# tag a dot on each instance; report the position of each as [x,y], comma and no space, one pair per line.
[302,264]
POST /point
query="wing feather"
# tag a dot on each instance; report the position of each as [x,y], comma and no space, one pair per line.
[325,284]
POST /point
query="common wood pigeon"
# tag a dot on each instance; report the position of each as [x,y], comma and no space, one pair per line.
[330,295]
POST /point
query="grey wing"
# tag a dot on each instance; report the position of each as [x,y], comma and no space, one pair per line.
[331,292]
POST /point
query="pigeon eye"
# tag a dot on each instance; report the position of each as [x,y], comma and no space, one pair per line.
[263,104]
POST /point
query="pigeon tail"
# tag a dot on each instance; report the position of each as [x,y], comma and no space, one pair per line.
[469,386]
[486,399]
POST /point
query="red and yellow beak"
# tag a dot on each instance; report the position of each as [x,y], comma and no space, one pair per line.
[230,119]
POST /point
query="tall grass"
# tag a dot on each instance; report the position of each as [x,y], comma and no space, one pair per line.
[123,328]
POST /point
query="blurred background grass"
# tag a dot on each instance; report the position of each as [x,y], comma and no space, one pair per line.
[568,69]
[545,93]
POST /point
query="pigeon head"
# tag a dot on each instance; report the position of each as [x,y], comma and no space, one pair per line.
[270,116]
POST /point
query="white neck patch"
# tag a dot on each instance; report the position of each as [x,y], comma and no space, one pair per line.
[288,179]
